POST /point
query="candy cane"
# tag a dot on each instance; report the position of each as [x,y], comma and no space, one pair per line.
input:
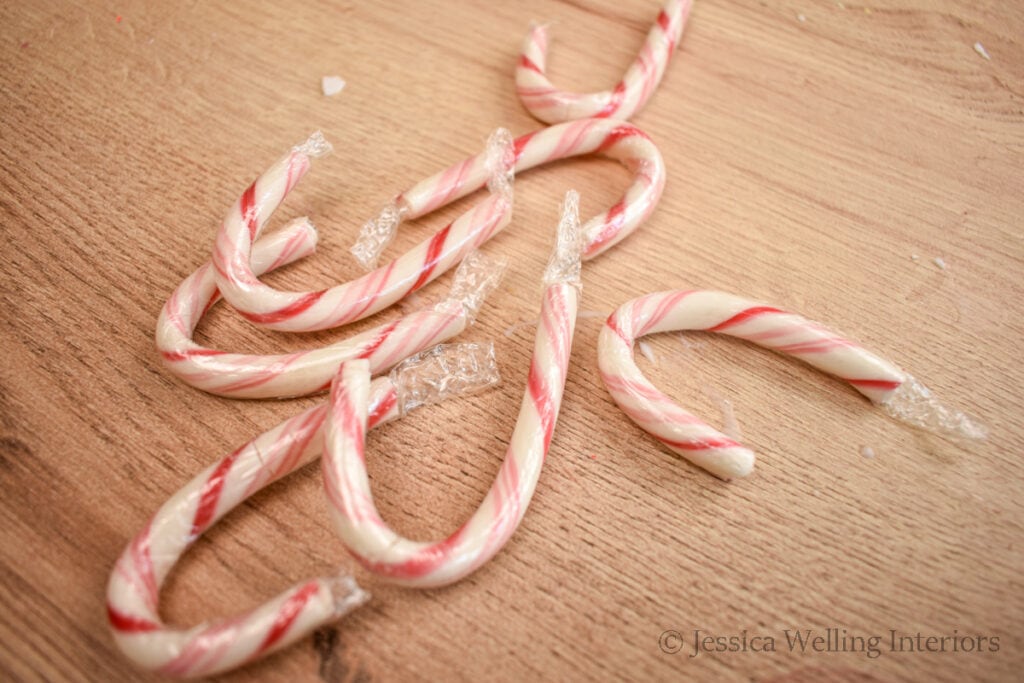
[310,371]
[878,379]
[323,309]
[551,105]
[413,563]
[615,139]
[134,589]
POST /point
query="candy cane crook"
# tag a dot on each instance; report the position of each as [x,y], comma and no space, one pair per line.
[878,379]
[614,139]
[345,303]
[551,105]
[351,504]
[305,372]
[134,589]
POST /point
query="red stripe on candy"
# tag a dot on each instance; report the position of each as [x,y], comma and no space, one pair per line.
[190,353]
[125,623]
[699,445]
[519,144]
[527,63]
[210,495]
[663,21]
[433,256]
[542,402]
[378,340]
[290,311]
[288,613]
[744,316]
[247,206]
[618,95]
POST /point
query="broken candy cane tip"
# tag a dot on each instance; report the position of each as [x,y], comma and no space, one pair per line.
[315,146]
[914,404]
[347,595]
[564,265]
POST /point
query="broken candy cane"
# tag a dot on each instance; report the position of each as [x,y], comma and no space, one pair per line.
[878,379]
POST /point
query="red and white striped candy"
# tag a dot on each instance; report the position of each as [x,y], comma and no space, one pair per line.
[426,564]
[134,587]
[304,372]
[788,333]
[345,303]
[133,592]
[551,105]
[614,139]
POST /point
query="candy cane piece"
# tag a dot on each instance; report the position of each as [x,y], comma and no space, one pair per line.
[421,564]
[305,372]
[134,588]
[345,303]
[551,105]
[614,139]
[878,379]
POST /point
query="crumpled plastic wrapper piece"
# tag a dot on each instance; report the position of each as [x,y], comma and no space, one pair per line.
[444,371]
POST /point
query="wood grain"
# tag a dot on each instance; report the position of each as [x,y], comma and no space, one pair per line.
[808,161]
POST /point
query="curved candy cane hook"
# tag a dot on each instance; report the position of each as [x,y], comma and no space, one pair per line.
[878,379]
[305,311]
[345,303]
[551,105]
[413,563]
[305,372]
[134,589]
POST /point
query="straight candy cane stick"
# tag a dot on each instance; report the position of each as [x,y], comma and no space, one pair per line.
[345,303]
[551,105]
[878,379]
[614,139]
[425,564]
[300,373]
[134,588]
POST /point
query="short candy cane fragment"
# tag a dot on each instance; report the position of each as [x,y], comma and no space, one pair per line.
[364,296]
[424,564]
[614,139]
[878,379]
[305,372]
[133,591]
[551,105]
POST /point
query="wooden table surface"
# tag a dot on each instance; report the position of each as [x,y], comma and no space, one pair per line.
[814,148]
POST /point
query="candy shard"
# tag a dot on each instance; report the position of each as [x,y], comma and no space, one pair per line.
[332,85]
[914,404]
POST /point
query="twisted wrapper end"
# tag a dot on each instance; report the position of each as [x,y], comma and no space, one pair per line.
[477,276]
[377,233]
[501,163]
[564,265]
